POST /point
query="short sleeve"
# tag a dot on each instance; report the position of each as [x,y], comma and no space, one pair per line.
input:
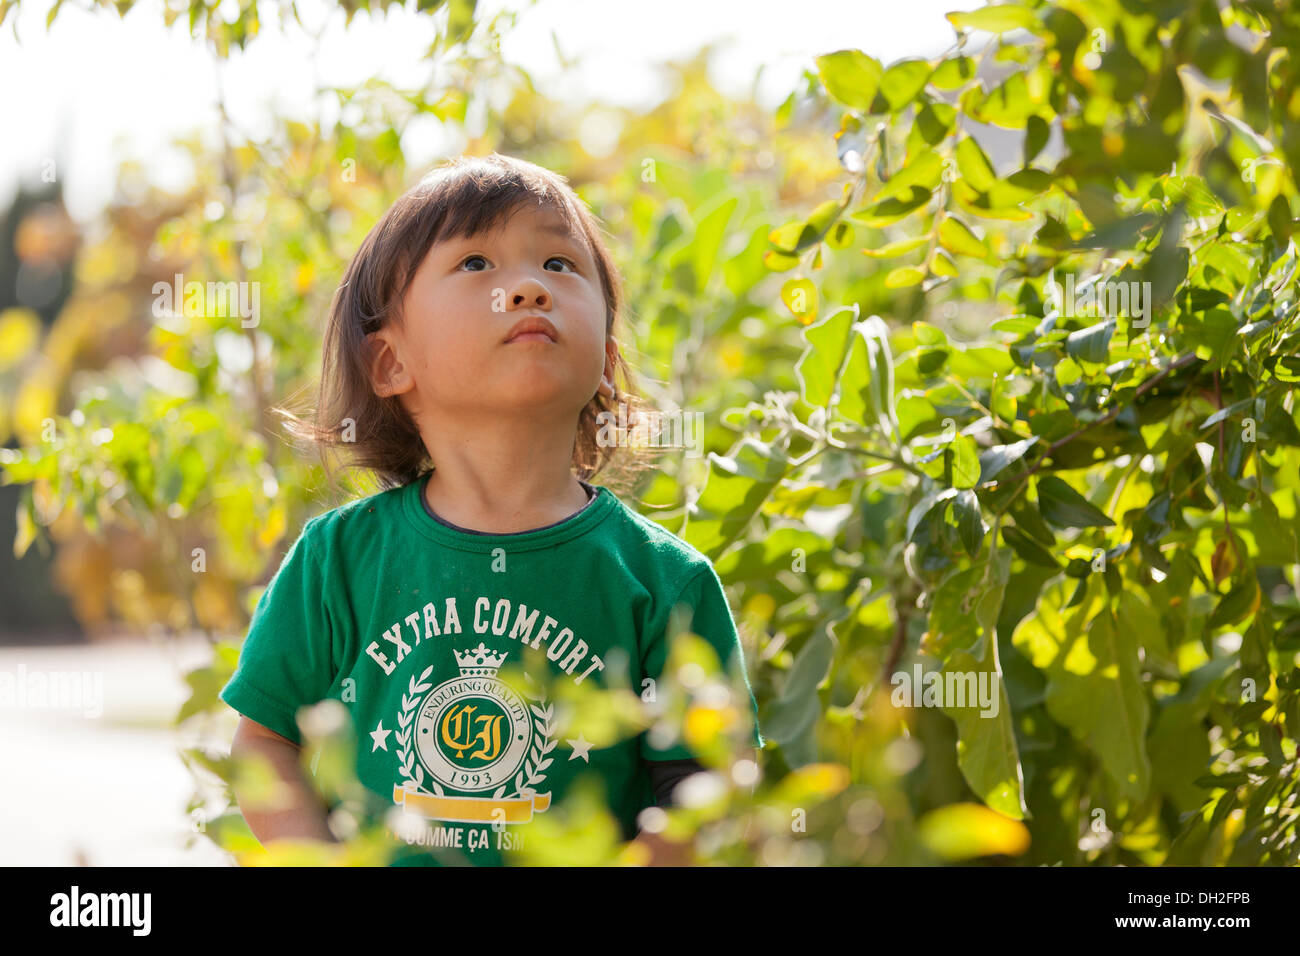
[707,615]
[286,660]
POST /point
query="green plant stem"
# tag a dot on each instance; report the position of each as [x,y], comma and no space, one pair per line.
[1110,416]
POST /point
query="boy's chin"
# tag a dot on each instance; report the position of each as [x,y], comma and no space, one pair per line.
[534,396]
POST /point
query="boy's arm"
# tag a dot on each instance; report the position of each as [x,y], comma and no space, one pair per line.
[304,817]
[666,774]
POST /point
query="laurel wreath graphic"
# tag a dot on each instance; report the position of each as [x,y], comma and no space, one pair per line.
[526,780]
[410,767]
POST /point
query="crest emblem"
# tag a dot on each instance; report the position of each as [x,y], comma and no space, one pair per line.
[475,735]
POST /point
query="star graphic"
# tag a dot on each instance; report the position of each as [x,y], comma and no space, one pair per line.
[380,737]
[580,748]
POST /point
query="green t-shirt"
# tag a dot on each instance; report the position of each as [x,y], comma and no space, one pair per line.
[420,628]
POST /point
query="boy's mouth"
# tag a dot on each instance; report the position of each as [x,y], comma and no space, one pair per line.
[534,328]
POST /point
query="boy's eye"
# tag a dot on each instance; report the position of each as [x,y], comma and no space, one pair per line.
[469,259]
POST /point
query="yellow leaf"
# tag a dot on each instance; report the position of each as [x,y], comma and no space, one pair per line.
[941,265]
[704,725]
[26,533]
[903,277]
[800,297]
[963,831]
[36,401]
[732,356]
[20,332]
[306,273]
[294,852]
[816,781]
[273,527]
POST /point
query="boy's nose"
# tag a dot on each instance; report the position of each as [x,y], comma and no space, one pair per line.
[530,292]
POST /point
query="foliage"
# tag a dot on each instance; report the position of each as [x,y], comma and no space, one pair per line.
[1096,504]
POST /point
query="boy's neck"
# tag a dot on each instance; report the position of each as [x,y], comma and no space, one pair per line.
[506,478]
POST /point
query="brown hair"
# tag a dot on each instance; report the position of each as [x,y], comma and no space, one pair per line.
[458,199]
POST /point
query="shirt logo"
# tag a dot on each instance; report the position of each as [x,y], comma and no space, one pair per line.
[475,735]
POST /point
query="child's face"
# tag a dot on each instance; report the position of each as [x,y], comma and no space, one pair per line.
[453,353]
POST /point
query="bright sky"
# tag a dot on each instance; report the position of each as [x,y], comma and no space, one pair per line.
[99,88]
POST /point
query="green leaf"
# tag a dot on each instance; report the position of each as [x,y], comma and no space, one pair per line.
[995,459]
[823,217]
[974,165]
[1028,548]
[957,237]
[903,277]
[929,335]
[900,247]
[794,237]
[819,365]
[1224,781]
[930,361]
[709,236]
[1009,104]
[1036,134]
[796,711]
[1177,744]
[963,623]
[1120,234]
[924,506]
[890,211]
[903,81]
[1091,344]
[923,170]
[996,19]
[1018,188]
[965,462]
[942,265]
[953,74]
[1166,269]
[1228,411]
[970,523]
[934,122]
[1017,324]
[1279,218]
[1063,507]
[736,488]
[867,385]
[1095,683]
[1239,603]
[851,77]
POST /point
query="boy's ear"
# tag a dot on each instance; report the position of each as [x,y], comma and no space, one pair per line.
[388,376]
[606,386]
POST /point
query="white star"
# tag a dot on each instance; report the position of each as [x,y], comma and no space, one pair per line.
[380,737]
[580,748]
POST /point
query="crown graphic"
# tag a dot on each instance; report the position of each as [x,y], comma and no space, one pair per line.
[480,662]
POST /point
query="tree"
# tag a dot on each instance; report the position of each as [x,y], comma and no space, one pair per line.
[1094,503]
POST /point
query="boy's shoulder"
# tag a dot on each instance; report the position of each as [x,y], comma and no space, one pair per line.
[638,538]
[352,515]
[656,542]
